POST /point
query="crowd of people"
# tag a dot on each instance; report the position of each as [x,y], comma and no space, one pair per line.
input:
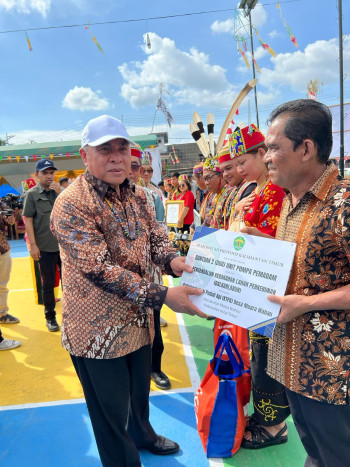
[107,232]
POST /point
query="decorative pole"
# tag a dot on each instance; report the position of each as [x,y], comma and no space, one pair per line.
[341,77]
[247,6]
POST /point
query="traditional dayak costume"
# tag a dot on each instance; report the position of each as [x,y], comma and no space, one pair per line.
[269,398]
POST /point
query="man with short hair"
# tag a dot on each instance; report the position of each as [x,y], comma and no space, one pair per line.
[109,238]
[38,205]
[240,188]
[309,351]
[175,193]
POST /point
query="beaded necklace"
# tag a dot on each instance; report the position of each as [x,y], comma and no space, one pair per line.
[124,223]
[215,212]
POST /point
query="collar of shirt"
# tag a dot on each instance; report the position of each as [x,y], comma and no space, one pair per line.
[322,185]
[102,187]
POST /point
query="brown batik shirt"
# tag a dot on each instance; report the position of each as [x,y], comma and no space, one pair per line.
[4,244]
[108,292]
[310,355]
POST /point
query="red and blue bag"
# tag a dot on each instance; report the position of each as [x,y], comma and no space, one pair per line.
[222,400]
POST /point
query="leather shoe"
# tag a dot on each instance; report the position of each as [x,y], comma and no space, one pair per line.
[163,446]
[160,379]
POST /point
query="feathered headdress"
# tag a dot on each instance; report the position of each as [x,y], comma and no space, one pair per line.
[207,146]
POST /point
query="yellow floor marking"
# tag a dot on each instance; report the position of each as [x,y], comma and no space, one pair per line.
[41,370]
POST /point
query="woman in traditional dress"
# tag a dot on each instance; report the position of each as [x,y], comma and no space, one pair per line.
[261,209]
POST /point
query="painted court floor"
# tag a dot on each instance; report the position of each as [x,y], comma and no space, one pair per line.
[44,421]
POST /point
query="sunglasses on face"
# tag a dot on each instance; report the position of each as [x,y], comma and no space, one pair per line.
[135,167]
[207,178]
[148,171]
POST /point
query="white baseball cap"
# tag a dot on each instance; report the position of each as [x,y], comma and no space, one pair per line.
[103,129]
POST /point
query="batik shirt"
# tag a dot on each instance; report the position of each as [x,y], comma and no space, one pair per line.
[4,244]
[108,292]
[311,354]
[265,209]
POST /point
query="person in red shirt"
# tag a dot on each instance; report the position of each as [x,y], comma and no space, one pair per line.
[186,216]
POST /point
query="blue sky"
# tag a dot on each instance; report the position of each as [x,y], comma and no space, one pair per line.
[51,92]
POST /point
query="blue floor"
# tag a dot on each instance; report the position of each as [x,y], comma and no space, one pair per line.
[18,248]
[58,436]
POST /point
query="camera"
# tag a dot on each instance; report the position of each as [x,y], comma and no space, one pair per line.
[6,212]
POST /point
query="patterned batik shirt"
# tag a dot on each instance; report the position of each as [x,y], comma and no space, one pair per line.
[311,354]
[4,244]
[108,291]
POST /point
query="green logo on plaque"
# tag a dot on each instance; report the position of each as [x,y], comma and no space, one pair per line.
[238,244]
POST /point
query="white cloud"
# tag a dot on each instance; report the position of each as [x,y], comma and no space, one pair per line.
[274,34]
[319,60]
[220,27]
[26,6]
[80,98]
[188,76]
[258,15]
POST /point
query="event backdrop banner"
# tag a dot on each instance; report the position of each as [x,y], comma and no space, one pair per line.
[237,272]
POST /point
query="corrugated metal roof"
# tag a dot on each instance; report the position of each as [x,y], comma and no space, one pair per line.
[62,147]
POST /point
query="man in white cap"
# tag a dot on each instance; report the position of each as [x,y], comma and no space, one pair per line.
[108,236]
[37,209]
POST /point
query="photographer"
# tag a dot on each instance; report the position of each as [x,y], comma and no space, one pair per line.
[5,271]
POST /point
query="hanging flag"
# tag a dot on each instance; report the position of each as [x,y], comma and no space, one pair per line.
[68,154]
[257,66]
[18,158]
[9,158]
[176,158]
[244,56]
[0,158]
[42,156]
[163,108]
[26,158]
[51,156]
[29,44]
[237,112]
[35,157]
[264,45]
[287,28]
[94,38]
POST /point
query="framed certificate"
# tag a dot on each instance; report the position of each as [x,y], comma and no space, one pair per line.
[173,211]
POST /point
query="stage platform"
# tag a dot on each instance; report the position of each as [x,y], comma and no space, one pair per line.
[44,421]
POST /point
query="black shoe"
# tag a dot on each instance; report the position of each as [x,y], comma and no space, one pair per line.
[163,446]
[160,379]
[52,325]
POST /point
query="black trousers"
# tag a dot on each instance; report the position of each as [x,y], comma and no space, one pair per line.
[269,397]
[324,430]
[48,263]
[117,397]
[158,346]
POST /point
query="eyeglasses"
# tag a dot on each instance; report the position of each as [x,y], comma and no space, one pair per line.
[135,167]
[207,178]
[148,171]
